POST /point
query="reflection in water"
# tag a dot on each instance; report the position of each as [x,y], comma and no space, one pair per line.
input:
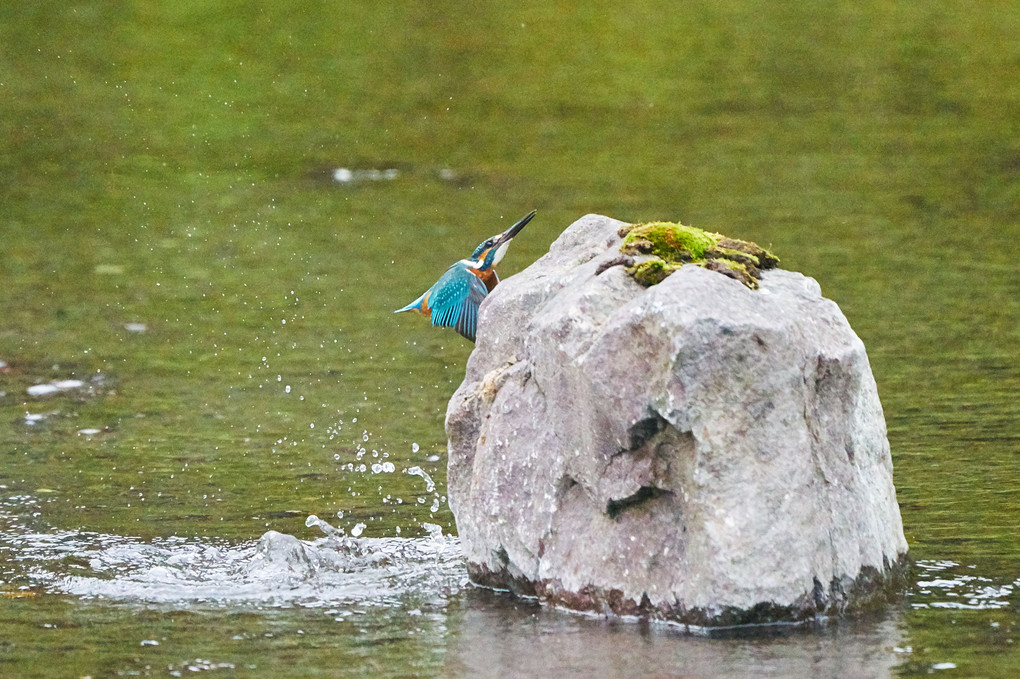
[343,175]
[501,639]
[54,387]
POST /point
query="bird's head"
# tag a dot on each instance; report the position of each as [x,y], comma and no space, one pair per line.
[490,251]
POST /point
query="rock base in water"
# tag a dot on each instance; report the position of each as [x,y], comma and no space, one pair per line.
[696,450]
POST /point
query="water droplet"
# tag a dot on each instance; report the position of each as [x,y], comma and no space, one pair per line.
[325,527]
[418,471]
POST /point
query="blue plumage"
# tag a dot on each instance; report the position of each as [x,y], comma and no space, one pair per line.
[454,299]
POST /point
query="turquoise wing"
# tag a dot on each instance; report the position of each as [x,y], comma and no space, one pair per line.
[454,300]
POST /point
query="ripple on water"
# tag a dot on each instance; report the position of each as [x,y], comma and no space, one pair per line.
[947,584]
[54,387]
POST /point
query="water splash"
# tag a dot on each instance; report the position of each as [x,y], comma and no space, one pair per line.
[418,471]
[435,530]
[430,487]
[325,527]
[276,570]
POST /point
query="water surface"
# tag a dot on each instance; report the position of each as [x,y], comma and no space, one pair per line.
[208,213]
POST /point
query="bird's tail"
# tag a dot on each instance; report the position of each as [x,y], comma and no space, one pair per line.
[417,305]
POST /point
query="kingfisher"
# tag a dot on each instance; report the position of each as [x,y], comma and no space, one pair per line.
[453,301]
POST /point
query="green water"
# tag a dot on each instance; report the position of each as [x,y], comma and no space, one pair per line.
[172,166]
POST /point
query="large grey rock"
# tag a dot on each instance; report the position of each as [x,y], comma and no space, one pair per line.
[695,451]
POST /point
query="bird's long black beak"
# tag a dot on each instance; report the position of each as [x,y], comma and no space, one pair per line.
[508,235]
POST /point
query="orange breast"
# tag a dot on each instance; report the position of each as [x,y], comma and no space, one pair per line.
[488,277]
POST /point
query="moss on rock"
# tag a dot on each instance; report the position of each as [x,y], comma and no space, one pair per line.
[652,271]
[671,245]
[669,241]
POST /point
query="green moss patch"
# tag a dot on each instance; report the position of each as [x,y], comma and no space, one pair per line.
[652,271]
[671,245]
